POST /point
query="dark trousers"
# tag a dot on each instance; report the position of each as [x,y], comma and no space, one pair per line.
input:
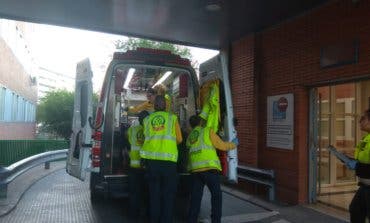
[360,206]
[162,183]
[211,178]
[138,191]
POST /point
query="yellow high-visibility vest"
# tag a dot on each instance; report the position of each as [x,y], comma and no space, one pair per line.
[160,137]
[202,154]
[362,152]
[136,139]
[210,95]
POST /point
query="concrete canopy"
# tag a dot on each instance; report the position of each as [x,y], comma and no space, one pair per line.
[202,23]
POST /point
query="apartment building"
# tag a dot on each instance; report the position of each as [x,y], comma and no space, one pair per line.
[18,87]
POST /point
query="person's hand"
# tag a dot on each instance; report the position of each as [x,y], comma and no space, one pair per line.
[351,164]
[235,141]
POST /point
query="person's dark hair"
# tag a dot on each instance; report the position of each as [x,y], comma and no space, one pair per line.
[194,121]
[367,113]
[160,103]
[151,91]
[142,115]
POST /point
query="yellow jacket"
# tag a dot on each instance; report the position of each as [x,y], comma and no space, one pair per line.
[362,152]
[219,144]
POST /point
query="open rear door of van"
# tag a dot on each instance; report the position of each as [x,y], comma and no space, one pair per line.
[210,71]
[80,144]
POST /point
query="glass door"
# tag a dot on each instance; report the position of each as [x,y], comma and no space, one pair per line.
[324,139]
[344,130]
[337,113]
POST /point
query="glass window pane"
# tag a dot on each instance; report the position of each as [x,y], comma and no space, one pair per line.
[344,128]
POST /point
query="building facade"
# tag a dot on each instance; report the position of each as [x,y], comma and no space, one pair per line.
[18,88]
[322,60]
[49,80]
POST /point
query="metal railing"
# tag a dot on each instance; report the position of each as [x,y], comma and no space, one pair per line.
[12,151]
[259,176]
[8,174]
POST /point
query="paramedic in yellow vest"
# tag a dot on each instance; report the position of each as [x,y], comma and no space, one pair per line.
[205,167]
[360,206]
[162,134]
[149,104]
[137,184]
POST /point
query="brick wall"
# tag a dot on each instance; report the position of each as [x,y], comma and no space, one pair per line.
[287,60]
[13,130]
[13,76]
[243,85]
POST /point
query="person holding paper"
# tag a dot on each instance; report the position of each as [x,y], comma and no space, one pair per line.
[360,206]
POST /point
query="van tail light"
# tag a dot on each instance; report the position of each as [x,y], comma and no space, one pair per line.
[96,149]
[223,159]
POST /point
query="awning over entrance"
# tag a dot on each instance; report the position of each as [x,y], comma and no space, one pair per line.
[203,23]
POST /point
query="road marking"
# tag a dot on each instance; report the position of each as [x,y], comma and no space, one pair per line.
[248,217]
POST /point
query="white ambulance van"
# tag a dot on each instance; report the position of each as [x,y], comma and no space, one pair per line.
[98,145]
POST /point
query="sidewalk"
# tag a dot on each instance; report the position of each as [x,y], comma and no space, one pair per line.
[20,185]
[315,213]
[238,207]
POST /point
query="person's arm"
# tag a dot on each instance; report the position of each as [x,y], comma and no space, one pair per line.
[218,143]
[127,135]
[178,133]
[141,107]
[168,102]
[362,155]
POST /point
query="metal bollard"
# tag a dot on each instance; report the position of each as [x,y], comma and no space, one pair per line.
[3,190]
[47,165]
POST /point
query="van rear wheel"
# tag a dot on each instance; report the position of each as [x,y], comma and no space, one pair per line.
[95,196]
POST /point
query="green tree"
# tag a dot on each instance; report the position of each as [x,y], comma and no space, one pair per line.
[133,43]
[55,112]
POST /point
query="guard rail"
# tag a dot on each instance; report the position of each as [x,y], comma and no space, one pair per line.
[259,176]
[8,174]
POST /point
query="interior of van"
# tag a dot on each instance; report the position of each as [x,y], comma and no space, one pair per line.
[128,88]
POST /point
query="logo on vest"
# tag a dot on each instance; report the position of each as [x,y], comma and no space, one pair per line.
[158,123]
[140,137]
[193,138]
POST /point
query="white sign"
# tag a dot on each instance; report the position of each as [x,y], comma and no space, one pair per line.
[280,121]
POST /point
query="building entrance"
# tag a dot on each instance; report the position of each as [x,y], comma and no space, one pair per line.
[339,108]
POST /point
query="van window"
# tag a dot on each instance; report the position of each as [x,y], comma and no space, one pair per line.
[177,83]
[83,113]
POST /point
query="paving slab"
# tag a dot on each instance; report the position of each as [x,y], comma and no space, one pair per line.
[19,185]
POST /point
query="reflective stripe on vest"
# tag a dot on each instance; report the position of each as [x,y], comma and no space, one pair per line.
[160,137]
[158,155]
[204,164]
[196,149]
[135,163]
[202,152]
[135,148]
[204,113]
